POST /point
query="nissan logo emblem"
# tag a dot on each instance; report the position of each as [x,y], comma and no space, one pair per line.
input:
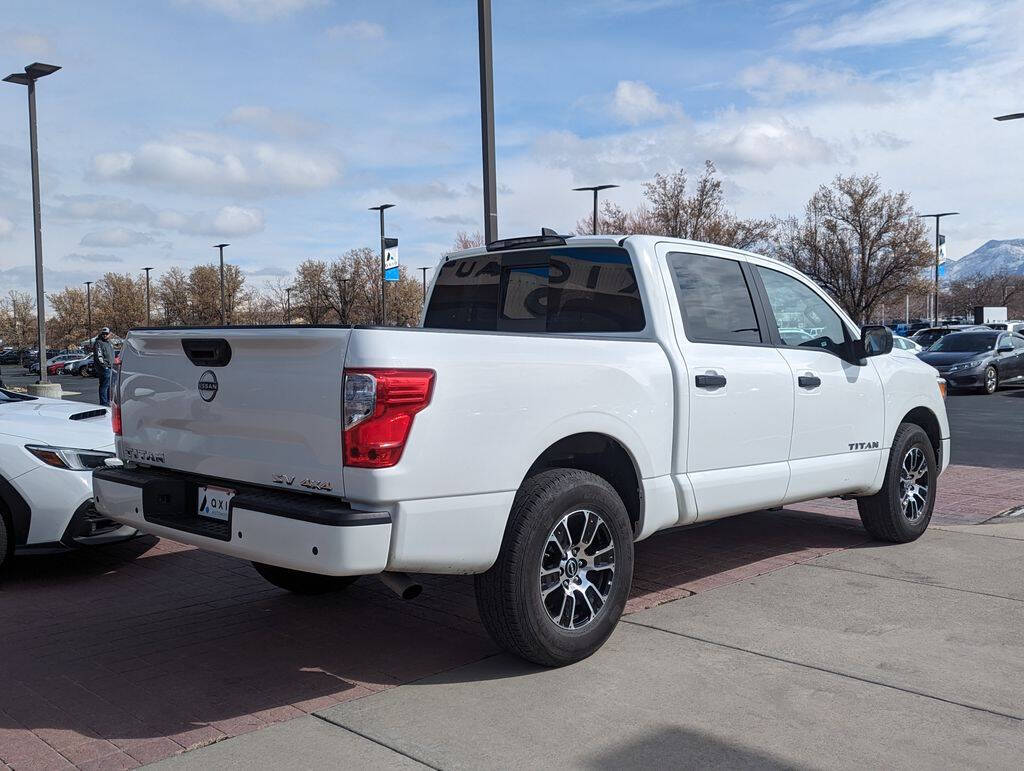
[208,385]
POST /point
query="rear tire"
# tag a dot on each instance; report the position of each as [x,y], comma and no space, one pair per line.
[901,510]
[300,582]
[563,574]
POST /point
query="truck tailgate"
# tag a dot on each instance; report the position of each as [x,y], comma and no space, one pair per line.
[253,405]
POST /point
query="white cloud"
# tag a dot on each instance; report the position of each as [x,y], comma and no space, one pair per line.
[207,165]
[356,30]
[92,257]
[419,191]
[635,103]
[232,221]
[766,144]
[255,10]
[227,221]
[280,122]
[116,237]
[36,45]
[900,21]
[6,228]
[774,79]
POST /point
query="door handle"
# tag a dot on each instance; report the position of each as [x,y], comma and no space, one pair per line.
[808,381]
[709,381]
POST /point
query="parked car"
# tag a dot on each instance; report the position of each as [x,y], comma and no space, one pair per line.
[564,397]
[81,366]
[1007,326]
[982,360]
[56,364]
[926,337]
[48,450]
[905,344]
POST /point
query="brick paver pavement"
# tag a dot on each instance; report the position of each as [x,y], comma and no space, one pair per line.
[114,657]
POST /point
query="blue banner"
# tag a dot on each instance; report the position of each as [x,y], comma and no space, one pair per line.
[391,274]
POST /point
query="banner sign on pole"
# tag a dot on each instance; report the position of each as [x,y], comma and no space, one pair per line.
[391,259]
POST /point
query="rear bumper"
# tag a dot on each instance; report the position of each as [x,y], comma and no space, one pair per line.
[302,532]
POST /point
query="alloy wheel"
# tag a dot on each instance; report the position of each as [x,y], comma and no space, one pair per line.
[577,569]
[991,380]
[914,484]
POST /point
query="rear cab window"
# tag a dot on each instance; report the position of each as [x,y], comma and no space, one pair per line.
[581,290]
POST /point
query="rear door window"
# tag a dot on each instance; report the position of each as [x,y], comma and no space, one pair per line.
[564,291]
[714,298]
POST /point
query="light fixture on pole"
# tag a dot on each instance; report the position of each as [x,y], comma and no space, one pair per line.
[34,72]
[1011,116]
[596,189]
[939,216]
[147,294]
[381,208]
[483,20]
[425,269]
[88,305]
[223,323]
[288,304]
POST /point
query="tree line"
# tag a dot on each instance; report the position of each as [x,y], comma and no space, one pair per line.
[864,244]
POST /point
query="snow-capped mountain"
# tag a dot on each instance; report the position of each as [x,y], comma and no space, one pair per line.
[989,258]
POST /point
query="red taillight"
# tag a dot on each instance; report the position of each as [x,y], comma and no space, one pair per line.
[379,405]
[115,407]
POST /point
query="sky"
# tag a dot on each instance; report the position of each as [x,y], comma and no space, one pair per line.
[273,124]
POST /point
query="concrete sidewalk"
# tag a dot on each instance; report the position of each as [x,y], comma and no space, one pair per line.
[898,656]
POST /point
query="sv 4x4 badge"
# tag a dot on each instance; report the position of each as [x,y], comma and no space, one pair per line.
[311,484]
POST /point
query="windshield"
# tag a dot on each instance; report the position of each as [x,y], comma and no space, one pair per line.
[966,342]
[9,396]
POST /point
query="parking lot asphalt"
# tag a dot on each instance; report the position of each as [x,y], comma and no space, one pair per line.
[132,653]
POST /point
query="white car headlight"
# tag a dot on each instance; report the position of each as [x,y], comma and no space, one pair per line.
[966,365]
[69,457]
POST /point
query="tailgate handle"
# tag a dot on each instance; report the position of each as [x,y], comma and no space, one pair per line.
[211,352]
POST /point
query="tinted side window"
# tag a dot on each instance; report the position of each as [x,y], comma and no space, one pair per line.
[804,319]
[593,290]
[465,295]
[715,299]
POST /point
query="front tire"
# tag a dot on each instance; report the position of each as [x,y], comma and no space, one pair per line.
[563,574]
[901,510]
[991,384]
[300,582]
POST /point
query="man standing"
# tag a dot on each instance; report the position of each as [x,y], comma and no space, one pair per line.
[102,361]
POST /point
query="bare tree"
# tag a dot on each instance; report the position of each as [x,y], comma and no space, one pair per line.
[464,240]
[18,318]
[67,325]
[672,210]
[859,242]
[119,302]
[1000,289]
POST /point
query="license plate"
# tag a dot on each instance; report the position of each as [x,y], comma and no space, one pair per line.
[214,502]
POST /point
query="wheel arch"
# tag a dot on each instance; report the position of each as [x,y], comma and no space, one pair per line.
[604,456]
[16,510]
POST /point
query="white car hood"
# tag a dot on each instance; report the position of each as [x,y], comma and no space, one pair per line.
[58,423]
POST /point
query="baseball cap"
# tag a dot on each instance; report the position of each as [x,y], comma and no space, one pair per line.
[105,329]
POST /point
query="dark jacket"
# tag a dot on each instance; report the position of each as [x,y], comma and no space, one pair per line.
[103,353]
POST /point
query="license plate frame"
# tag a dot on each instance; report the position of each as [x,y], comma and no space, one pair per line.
[214,502]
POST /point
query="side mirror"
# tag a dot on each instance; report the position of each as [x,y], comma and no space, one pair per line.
[874,341]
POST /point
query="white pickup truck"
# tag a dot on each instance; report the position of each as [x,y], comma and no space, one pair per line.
[563,398]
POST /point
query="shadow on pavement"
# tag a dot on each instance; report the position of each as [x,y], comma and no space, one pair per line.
[149,646]
[674,747]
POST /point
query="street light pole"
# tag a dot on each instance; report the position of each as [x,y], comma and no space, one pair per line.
[595,188]
[939,216]
[288,304]
[483,19]
[381,209]
[424,270]
[32,73]
[223,323]
[147,295]
[88,305]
